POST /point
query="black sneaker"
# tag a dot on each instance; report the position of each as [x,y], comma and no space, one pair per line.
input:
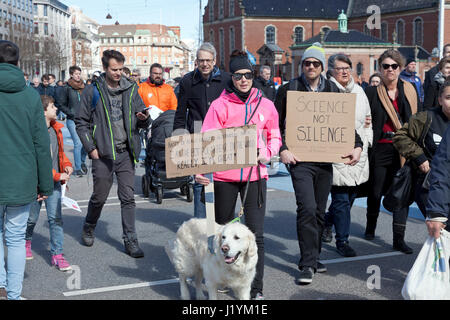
[84,169]
[345,250]
[87,236]
[305,276]
[327,235]
[321,268]
[132,247]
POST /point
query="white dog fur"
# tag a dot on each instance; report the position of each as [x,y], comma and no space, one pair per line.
[233,265]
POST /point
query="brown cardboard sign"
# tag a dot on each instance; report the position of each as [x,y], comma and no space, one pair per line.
[320,126]
[212,151]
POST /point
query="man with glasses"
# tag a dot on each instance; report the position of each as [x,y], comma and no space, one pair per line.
[265,83]
[311,180]
[198,89]
[136,75]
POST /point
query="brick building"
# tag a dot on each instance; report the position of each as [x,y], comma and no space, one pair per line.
[145,44]
[263,27]
[250,24]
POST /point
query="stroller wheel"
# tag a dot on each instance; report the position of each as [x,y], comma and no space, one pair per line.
[159,195]
[190,193]
[145,186]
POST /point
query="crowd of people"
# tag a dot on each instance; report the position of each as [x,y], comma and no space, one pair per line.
[397,119]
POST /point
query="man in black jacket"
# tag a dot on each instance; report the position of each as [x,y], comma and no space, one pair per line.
[108,123]
[69,100]
[429,75]
[264,83]
[311,181]
[198,89]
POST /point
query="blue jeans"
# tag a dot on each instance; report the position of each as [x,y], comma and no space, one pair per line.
[79,155]
[53,207]
[14,220]
[338,214]
[199,206]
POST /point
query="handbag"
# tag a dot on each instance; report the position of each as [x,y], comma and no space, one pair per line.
[429,277]
[401,192]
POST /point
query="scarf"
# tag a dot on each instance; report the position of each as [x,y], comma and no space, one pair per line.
[76,85]
[243,96]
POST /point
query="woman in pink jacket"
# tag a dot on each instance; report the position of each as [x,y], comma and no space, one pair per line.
[241,104]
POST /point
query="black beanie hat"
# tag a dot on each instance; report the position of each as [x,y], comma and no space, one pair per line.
[409,60]
[239,63]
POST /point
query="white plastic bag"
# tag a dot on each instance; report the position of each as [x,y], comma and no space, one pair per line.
[429,278]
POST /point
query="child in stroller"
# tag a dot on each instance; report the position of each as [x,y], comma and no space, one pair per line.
[155,179]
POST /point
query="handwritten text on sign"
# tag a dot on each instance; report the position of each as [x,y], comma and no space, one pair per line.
[212,151]
[320,127]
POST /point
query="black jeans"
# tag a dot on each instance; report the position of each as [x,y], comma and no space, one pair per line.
[384,165]
[102,172]
[225,194]
[312,184]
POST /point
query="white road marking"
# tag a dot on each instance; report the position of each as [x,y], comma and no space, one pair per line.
[171,281]
[367,257]
[117,288]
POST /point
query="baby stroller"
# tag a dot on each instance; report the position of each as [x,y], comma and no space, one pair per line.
[155,179]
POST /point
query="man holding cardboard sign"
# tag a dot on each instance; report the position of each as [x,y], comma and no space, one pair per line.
[318,130]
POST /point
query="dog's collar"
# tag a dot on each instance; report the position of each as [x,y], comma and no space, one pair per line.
[238,219]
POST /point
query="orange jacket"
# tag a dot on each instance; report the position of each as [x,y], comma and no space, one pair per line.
[64,162]
[161,96]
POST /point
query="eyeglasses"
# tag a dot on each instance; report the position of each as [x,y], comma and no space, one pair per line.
[316,64]
[387,66]
[341,70]
[208,61]
[238,76]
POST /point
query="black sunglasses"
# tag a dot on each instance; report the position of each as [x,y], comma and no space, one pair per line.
[387,66]
[238,76]
[316,64]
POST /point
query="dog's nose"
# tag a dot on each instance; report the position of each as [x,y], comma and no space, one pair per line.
[225,248]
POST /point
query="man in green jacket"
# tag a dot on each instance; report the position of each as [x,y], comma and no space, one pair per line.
[25,165]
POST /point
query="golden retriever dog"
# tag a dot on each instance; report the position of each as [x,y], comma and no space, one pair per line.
[233,264]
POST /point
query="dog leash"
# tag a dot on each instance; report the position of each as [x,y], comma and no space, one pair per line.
[241,211]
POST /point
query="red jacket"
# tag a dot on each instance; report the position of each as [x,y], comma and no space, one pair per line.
[64,162]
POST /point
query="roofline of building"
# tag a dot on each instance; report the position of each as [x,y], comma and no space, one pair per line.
[348,44]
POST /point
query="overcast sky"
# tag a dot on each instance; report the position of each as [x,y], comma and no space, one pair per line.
[183,13]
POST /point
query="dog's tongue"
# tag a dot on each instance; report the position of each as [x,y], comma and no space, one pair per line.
[229,259]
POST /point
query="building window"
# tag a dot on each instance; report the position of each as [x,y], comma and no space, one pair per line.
[211,36]
[222,47]
[325,29]
[418,31]
[221,9]
[298,35]
[384,31]
[400,30]
[46,29]
[232,39]
[270,35]
[359,69]
[366,30]
[211,10]
[231,8]
[45,10]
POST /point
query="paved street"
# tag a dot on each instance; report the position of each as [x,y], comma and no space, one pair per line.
[105,272]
